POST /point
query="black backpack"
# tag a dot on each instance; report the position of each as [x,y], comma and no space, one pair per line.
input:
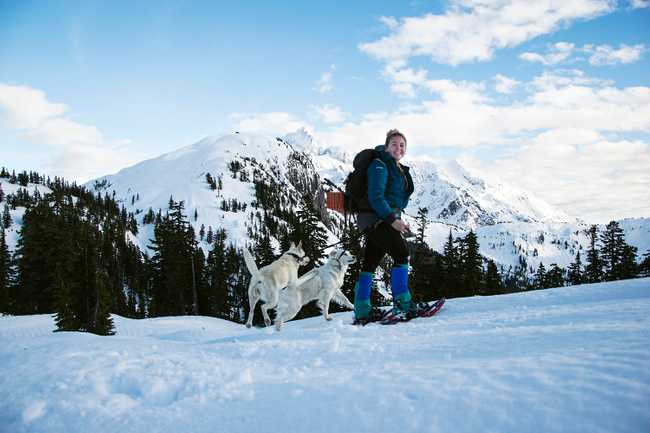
[356,184]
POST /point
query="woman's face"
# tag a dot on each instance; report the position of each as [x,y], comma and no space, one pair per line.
[396,147]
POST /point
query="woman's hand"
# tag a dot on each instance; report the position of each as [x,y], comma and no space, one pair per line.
[399,225]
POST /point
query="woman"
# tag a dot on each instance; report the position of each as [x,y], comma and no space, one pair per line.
[389,187]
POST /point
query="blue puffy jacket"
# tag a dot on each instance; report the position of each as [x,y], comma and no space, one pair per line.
[389,188]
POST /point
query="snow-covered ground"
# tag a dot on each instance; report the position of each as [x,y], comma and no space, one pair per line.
[572,359]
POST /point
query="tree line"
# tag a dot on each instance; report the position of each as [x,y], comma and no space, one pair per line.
[74,256]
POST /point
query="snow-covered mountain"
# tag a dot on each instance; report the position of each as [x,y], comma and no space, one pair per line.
[572,359]
[511,224]
[233,161]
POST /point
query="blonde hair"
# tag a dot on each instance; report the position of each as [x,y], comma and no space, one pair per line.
[393,133]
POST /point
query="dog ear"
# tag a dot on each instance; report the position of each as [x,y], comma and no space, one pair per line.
[300,244]
[292,246]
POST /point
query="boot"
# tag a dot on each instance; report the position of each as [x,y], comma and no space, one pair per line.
[399,284]
[403,304]
[362,289]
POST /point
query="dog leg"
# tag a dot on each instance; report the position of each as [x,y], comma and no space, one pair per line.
[253,297]
[271,303]
[278,322]
[326,310]
[265,313]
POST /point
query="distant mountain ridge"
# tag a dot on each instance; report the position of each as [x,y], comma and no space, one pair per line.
[510,223]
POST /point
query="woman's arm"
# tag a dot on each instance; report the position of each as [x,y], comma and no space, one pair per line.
[377,179]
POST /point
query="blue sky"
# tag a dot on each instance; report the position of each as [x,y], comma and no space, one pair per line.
[554,97]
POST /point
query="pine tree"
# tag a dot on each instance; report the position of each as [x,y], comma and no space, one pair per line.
[611,252]
[263,250]
[472,265]
[628,266]
[644,267]
[37,251]
[308,230]
[594,267]
[174,270]
[450,262]
[539,280]
[6,217]
[554,276]
[421,280]
[493,284]
[574,275]
[5,264]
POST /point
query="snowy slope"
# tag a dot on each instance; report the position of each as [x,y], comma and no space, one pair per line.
[571,359]
[182,175]
[12,233]
[455,196]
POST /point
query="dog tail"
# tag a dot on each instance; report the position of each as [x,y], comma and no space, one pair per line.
[342,300]
[250,263]
[308,276]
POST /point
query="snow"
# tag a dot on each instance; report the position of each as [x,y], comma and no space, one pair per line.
[569,359]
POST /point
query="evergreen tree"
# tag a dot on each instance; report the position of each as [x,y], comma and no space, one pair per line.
[308,230]
[554,276]
[471,265]
[39,247]
[628,266]
[539,280]
[173,266]
[594,267]
[422,262]
[263,250]
[644,267]
[574,275]
[6,217]
[450,264]
[5,264]
[493,284]
[618,257]
[611,252]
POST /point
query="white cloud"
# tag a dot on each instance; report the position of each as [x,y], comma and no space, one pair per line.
[638,4]
[559,52]
[598,55]
[606,55]
[276,123]
[24,107]
[330,114]
[581,173]
[406,80]
[564,139]
[504,84]
[324,84]
[79,152]
[471,30]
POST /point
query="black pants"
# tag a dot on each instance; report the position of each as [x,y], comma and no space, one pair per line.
[383,240]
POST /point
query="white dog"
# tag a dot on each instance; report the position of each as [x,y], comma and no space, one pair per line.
[267,282]
[322,284]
